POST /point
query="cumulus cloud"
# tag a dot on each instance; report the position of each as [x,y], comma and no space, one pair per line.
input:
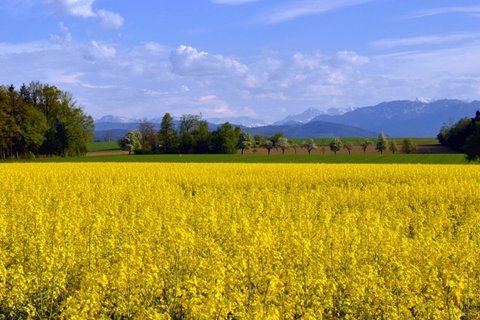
[306,77]
[351,58]
[78,8]
[100,51]
[84,9]
[211,105]
[186,60]
[149,79]
[110,20]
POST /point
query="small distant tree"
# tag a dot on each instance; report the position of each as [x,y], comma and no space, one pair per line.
[258,141]
[245,141]
[276,138]
[392,146]
[131,141]
[382,143]
[335,145]
[294,146]
[310,145]
[348,146]
[107,136]
[268,144]
[408,146]
[365,144]
[283,144]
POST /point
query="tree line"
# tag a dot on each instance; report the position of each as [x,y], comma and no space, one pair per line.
[463,136]
[192,135]
[40,119]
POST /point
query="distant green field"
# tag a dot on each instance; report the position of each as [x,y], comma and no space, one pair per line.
[102,146]
[340,158]
[356,141]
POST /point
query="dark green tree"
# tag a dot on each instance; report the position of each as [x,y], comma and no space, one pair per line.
[456,135]
[69,127]
[42,119]
[201,138]
[188,124]
[225,138]
[167,135]
[336,145]
[472,145]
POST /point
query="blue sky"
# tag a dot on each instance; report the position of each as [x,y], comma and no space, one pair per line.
[224,58]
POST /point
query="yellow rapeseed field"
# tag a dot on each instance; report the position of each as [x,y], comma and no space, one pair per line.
[239,241]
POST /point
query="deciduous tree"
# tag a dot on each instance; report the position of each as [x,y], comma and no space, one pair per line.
[310,145]
[335,145]
[283,144]
[382,143]
[408,146]
[167,135]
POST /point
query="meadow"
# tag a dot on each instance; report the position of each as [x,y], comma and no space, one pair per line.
[274,158]
[239,241]
[430,152]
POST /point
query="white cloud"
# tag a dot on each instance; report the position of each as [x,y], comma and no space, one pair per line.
[305,8]
[351,58]
[100,51]
[77,8]
[425,40]
[211,105]
[153,47]
[145,81]
[84,9]
[110,20]
[186,60]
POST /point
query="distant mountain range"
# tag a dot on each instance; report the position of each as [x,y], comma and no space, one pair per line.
[308,115]
[395,118]
[406,118]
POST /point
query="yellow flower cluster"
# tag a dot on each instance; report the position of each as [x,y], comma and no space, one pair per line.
[239,241]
